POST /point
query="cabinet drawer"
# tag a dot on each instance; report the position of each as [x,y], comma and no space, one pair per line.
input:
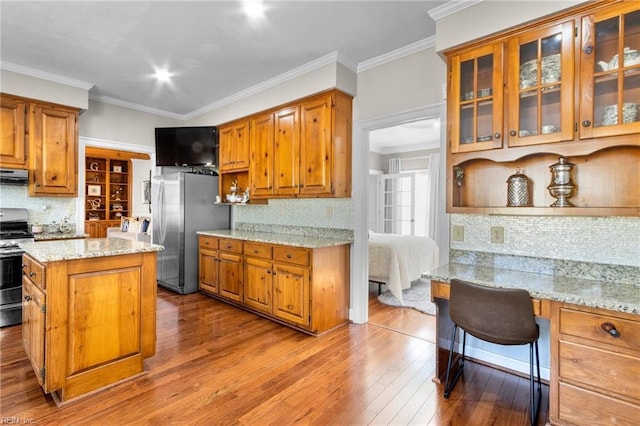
[34,271]
[583,407]
[299,256]
[210,243]
[598,368]
[590,326]
[257,250]
[233,246]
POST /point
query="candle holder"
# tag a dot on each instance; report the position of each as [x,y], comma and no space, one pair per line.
[561,186]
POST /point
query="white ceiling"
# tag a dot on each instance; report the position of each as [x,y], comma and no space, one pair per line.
[211,47]
[414,136]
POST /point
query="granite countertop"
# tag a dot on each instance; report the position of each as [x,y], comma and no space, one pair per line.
[278,238]
[48,236]
[51,251]
[621,297]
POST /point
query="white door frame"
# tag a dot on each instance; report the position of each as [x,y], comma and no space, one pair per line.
[359,310]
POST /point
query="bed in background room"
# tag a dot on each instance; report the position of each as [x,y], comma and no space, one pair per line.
[397,260]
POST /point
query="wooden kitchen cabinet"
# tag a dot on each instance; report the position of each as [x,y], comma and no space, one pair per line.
[208,264]
[300,149]
[230,269]
[53,146]
[558,101]
[88,323]
[234,145]
[304,288]
[13,149]
[595,365]
[258,276]
[33,325]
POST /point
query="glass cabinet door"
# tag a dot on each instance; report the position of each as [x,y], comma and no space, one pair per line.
[541,83]
[610,53]
[476,106]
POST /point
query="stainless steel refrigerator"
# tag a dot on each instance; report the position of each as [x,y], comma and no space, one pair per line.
[182,204]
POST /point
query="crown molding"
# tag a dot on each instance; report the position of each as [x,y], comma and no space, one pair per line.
[450,8]
[55,78]
[134,106]
[427,43]
[330,58]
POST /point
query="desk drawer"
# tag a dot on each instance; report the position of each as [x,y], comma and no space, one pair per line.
[233,246]
[299,256]
[258,250]
[589,325]
[613,372]
[583,407]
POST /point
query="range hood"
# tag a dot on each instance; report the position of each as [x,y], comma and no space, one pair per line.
[14,177]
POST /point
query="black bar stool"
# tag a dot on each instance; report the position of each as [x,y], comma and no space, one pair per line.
[497,315]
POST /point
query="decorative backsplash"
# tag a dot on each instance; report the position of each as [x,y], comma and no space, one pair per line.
[609,240]
[42,210]
[334,213]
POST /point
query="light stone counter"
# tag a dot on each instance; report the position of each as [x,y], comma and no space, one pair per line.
[293,240]
[51,251]
[48,236]
[615,296]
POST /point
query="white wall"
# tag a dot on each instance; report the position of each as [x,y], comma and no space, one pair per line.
[36,88]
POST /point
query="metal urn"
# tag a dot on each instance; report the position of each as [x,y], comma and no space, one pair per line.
[561,186]
[518,190]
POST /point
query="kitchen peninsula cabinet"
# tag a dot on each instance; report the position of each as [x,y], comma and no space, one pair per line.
[300,149]
[13,150]
[306,288]
[563,87]
[89,312]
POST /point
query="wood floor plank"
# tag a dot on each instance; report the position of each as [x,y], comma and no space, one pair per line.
[217,364]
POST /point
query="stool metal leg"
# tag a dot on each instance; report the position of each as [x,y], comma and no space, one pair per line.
[449,386]
[534,402]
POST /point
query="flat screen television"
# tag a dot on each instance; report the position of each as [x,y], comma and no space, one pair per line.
[187,146]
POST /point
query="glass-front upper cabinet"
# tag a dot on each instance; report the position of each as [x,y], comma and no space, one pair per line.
[541,86]
[476,99]
[610,72]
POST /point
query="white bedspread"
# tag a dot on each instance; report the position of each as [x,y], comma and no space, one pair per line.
[398,260]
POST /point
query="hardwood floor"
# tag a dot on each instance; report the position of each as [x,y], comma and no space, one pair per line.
[218,365]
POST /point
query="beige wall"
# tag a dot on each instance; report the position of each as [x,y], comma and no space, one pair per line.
[491,16]
[317,80]
[119,124]
[414,81]
[44,90]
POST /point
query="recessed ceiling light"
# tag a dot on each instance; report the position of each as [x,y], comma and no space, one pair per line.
[253,8]
[162,75]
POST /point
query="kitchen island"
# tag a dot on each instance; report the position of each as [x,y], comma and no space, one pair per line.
[89,312]
[594,335]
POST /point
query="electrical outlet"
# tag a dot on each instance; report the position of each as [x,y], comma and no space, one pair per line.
[497,234]
[457,233]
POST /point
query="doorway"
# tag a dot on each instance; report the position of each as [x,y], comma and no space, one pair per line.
[363,134]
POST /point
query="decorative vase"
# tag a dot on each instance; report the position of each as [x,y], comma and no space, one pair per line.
[518,190]
[561,186]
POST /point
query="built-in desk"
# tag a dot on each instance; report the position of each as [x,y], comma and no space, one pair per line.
[594,370]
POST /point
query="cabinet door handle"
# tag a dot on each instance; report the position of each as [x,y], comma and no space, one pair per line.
[513,133]
[588,49]
[27,298]
[24,266]
[268,271]
[586,123]
[610,328]
[32,274]
[497,135]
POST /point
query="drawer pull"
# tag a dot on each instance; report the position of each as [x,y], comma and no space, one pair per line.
[610,328]
[32,274]
[27,298]
[289,256]
[256,251]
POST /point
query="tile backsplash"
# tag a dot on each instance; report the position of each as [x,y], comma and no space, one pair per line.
[41,209]
[334,213]
[609,240]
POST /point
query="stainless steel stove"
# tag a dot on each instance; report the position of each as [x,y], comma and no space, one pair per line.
[14,230]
